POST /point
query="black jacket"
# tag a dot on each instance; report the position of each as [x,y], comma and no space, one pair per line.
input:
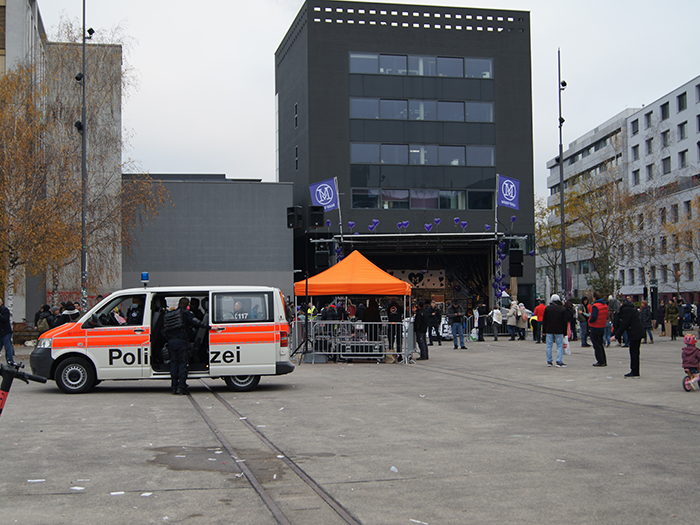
[555,319]
[5,324]
[188,320]
[629,320]
[422,321]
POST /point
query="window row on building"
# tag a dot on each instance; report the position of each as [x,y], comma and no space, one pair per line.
[437,110]
[422,154]
[664,273]
[420,65]
[421,199]
[664,111]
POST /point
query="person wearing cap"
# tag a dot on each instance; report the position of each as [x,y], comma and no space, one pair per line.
[596,328]
[69,314]
[44,313]
[554,324]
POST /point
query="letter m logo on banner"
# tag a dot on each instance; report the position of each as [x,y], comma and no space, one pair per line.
[325,193]
[508,192]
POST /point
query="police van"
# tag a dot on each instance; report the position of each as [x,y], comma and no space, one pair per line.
[245,336]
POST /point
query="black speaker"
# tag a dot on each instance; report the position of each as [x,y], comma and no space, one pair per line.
[316,216]
[515,270]
[516,257]
[323,259]
[294,217]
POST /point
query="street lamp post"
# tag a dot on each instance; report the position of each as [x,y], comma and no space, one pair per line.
[561,87]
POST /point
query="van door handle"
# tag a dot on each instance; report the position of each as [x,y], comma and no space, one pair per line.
[139,330]
[218,328]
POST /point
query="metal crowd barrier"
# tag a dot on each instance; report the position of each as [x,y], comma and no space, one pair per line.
[346,340]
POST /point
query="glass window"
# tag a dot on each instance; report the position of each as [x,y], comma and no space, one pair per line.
[364,108]
[394,154]
[479,111]
[478,68]
[480,200]
[480,156]
[664,111]
[422,109]
[395,199]
[650,171]
[635,178]
[666,138]
[450,67]
[682,102]
[365,198]
[451,155]
[422,66]
[683,131]
[635,126]
[666,165]
[683,159]
[392,64]
[364,153]
[453,200]
[423,154]
[364,63]
[241,308]
[648,120]
[125,309]
[393,109]
[424,199]
[451,111]
[635,152]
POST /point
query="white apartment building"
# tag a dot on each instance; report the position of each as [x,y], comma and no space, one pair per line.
[656,152]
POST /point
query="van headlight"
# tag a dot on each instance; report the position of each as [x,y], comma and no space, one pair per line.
[44,342]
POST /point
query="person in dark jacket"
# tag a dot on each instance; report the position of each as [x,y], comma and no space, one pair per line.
[596,327]
[6,333]
[44,313]
[435,322]
[420,326]
[647,319]
[179,346]
[630,322]
[660,317]
[371,315]
[69,314]
[395,317]
[554,324]
[583,314]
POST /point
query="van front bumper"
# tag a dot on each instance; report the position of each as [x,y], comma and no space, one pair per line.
[41,362]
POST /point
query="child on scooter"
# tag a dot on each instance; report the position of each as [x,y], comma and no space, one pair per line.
[691,359]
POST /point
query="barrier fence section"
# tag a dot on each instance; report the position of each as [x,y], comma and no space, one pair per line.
[344,340]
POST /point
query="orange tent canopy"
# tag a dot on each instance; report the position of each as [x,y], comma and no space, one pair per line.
[354,275]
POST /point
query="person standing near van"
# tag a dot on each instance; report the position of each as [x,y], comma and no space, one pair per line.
[6,333]
[176,325]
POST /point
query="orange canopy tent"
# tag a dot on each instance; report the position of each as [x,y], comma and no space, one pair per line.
[354,275]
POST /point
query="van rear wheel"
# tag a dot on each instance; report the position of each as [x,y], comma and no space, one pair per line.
[75,375]
[241,383]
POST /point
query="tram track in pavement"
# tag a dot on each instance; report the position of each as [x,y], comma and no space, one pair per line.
[305,501]
[582,397]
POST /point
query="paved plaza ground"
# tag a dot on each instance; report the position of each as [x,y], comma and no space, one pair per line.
[483,435]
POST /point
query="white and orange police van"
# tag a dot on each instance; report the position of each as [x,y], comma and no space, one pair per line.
[122,337]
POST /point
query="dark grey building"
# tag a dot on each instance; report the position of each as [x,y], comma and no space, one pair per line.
[217,231]
[414,109]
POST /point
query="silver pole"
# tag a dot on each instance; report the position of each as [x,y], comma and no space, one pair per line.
[560,88]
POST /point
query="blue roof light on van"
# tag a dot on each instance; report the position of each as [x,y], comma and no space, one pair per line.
[144,278]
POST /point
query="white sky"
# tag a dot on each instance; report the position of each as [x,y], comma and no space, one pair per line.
[206,96]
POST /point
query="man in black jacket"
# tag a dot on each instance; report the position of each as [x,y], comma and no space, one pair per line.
[6,333]
[420,326]
[176,329]
[630,322]
[554,322]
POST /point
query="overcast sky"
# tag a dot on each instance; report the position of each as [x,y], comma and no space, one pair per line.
[206,96]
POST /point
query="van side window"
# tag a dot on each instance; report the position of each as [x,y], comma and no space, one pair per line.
[120,311]
[242,308]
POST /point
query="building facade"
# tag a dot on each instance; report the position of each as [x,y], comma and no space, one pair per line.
[655,151]
[414,110]
[22,33]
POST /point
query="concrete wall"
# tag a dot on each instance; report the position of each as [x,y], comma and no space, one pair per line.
[216,232]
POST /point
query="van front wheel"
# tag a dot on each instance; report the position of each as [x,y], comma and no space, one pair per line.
[241,383]
[75,375]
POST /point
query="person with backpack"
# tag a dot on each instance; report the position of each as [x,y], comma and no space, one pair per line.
[176,325]
[45,320]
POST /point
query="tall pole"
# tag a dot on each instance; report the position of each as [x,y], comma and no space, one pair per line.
[84,187]
[560,88]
